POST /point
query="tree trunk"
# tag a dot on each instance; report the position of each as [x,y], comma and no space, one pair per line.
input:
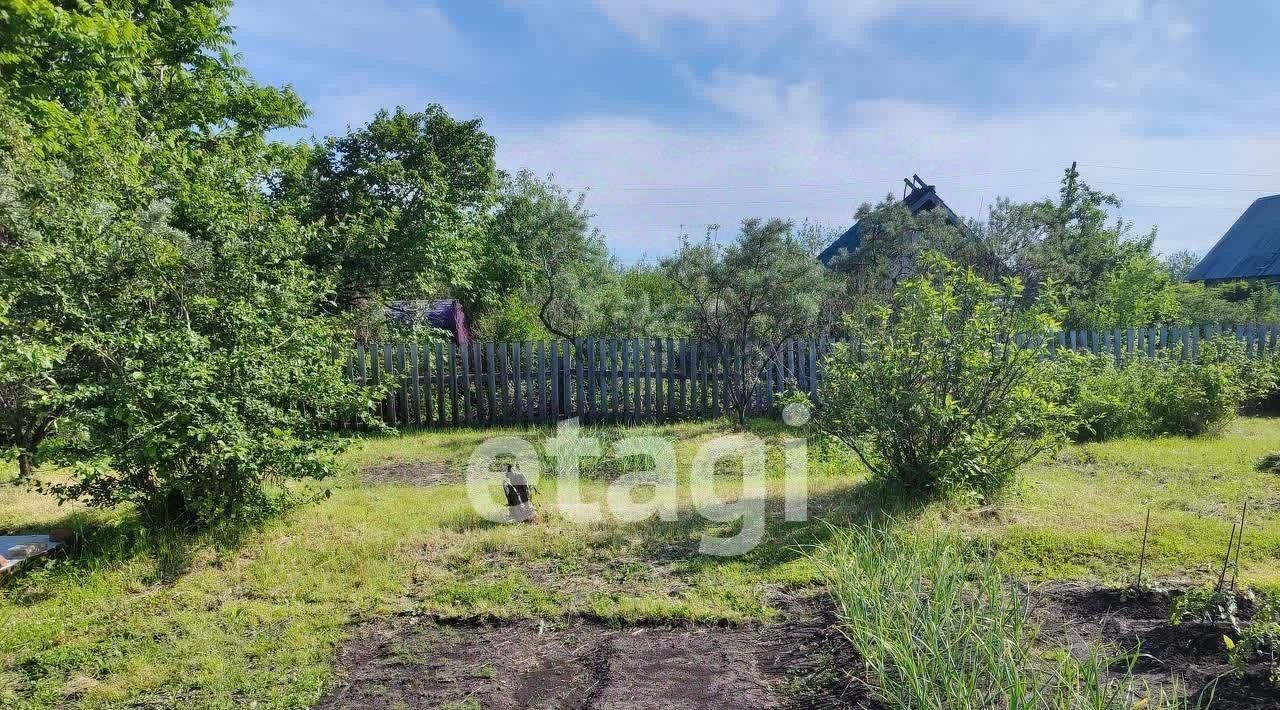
[26,466]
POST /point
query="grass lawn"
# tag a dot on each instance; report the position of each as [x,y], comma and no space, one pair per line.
[232,619]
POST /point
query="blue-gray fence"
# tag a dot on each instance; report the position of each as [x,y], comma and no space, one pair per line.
[634,380]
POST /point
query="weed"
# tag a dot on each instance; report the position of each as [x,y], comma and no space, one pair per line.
[1260,639]
[940,627]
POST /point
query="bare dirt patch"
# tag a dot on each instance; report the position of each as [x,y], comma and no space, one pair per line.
[411,473]
[797,662]
[1190,657]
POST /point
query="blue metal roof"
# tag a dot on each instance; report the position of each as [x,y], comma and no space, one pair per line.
[847,242]
[1250,249]
[922,197]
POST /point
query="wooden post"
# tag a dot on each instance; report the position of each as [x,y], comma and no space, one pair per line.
[453,383]
[418,419]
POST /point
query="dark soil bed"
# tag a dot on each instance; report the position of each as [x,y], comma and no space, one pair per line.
[426,663]
[411,473]
[1190,657]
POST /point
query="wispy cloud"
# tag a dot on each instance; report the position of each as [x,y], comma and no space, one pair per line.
[418,35]
[707,112]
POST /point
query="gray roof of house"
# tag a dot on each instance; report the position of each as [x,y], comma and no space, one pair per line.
[1250,249]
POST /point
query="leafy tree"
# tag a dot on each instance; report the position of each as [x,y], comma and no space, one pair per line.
[1137,292]
[542,246]
[892,241]
[402,200]
[1074,244]
[943,392]
[748,298]
[640,300]
[1179,264]
[512,320]
[160,317]
[1237,302]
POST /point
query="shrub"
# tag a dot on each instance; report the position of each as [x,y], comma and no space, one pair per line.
[943,392]
[1100,395]
[1143,396]
[1201,395]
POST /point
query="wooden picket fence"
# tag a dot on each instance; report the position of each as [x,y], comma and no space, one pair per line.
[653,379]
[596,379]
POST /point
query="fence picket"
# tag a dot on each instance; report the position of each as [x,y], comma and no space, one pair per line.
[637,380]
[389,374]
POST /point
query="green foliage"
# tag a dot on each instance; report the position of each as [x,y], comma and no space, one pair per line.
[1210,604]
[1260,639]
[942,391]
[891,245]
[541,246]
[1103,398]
[748,298]
[939,626]
[512,320]
[1238,302]
[161,322]
[1137,292]
[1146,396]
[1105,274]
[1201,395]
[1179,264]
[403,202]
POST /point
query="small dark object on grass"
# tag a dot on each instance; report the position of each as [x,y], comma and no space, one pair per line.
[1270,462]
[519,496]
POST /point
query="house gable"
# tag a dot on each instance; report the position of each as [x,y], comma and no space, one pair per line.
[919,197]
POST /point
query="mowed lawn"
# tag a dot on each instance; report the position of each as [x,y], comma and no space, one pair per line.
[235,618]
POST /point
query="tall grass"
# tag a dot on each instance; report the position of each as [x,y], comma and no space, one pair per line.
[938,626]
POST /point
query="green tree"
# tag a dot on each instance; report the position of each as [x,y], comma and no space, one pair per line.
[748,298]
[542,246]
[402,201]
[1179,264]
[1236,302]
[640,300]
[160,317]
[892,240]
[1079,244]
[1135,293]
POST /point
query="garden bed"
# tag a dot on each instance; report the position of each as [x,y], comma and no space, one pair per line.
[584,663]
[1189,658]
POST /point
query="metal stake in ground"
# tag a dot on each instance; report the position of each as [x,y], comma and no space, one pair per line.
[1142,559]
[1235,570]
[1226,560]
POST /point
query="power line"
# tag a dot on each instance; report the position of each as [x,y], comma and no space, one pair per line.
[1178,172]
[1185,187]
[834,184]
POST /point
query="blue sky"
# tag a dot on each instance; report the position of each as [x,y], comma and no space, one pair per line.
[679,114]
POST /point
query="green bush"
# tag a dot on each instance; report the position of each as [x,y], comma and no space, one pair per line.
[1147,396]
[1100,394]
[944,392]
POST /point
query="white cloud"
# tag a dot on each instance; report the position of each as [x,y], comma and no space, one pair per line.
[803,159]
[647,20]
